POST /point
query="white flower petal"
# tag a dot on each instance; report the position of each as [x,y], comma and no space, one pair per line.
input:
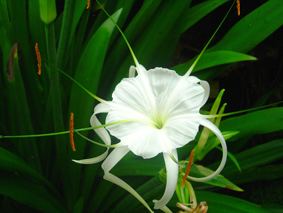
[182,129]
[140,68]
[101,132]
[219,135]
[206,88]
[171,180]
[102,108]
[187,97]
[177,94]
[147,142]
[156,97]
[114,157]
[166,209]
[162,80]
[126,128]
[135,93]
[92,160]
[132,71]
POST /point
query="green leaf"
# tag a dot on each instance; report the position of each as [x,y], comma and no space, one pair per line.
[102,192]
[219,180]
[136,166]
[253,28]
[11,162]
[20,33]
[67,29]
[206,132]
[4,14]
[214,142]
[36,27]
[151,189]
[31,194]
[88,74]
[218,203]
[235,161]
[197,12]
[89,69]
[212,59]
[158,30]
[273,208]
[149,45]
[259,122]
[78,207]
[19,110]
[257,156]
[120,51]
[79,8]
[265,173]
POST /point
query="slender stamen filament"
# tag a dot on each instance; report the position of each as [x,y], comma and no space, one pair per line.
[241,111]
[83,88]
[208,43]
[97,143]
[123,35]
[66,131]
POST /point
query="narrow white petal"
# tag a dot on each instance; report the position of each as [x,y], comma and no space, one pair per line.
[132,71]
[102,107]
[114,157]
[92,160]
[171,180]
[101,132]
[114,179]
[206,123]
[140,68]
[166,209]
[206,88]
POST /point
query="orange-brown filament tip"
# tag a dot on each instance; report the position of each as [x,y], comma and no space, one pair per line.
[238,7]
[88,4]
[72,141]
[38,58]
[188,169]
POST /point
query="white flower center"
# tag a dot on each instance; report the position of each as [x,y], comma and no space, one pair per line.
[158,120]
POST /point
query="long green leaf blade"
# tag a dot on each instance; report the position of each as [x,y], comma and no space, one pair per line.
[253,28]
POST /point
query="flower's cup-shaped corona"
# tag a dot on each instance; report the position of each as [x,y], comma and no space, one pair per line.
[162,113]
[164,108]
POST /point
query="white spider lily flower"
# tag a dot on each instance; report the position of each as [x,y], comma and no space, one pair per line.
[163,109]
